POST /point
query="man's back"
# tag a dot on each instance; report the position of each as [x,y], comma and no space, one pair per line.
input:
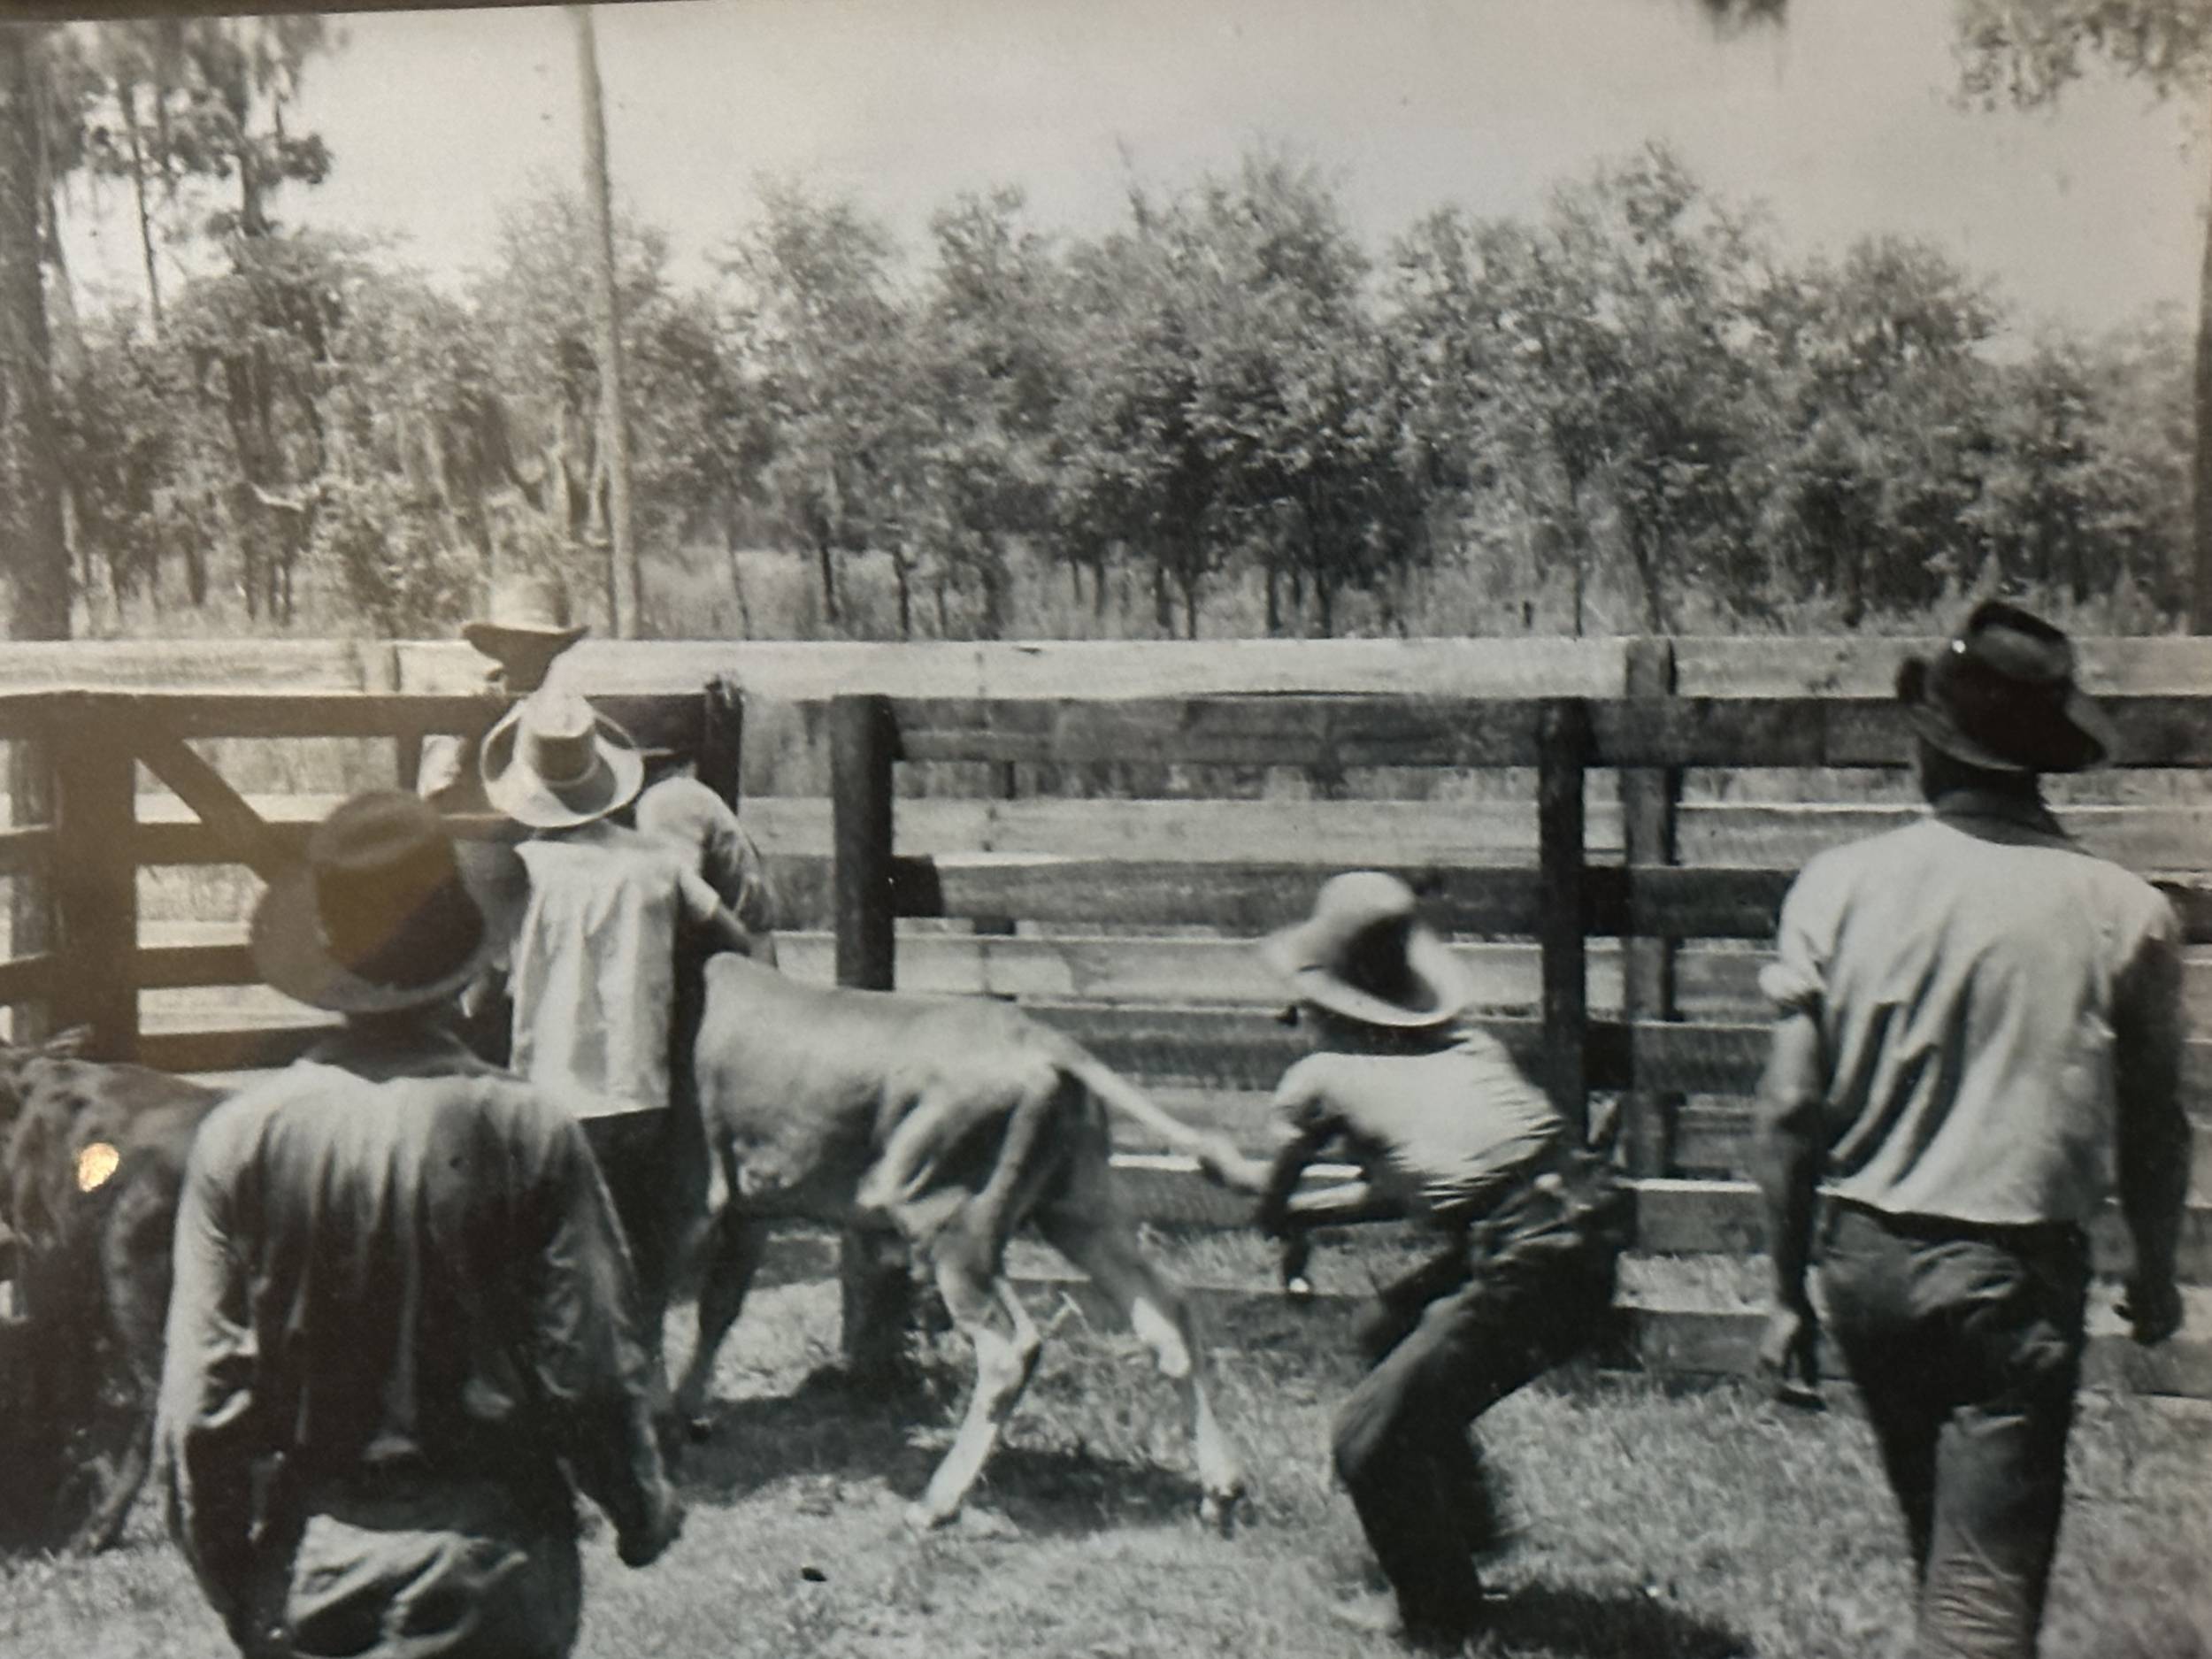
[1970,974]
[395,1237]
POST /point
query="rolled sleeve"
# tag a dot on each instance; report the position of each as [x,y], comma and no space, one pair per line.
[209,1431]
[1796,981]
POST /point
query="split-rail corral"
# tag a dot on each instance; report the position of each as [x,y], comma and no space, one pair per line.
[1100,830]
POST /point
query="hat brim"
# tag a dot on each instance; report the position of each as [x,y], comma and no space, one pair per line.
[286,938]
[507,642]
[513,788]
[2082,737]
[1445,989]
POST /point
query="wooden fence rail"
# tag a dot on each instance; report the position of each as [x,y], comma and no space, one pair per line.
[1616,920]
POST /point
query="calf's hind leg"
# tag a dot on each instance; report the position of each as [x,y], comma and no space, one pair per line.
[1101,1241]
[1003,1362]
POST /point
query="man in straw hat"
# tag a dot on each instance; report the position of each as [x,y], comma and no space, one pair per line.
[1444,1129]
[525,626]
[1976,1023]
[593,961]
[402,1320]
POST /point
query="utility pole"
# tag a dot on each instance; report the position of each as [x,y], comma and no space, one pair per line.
[623,582]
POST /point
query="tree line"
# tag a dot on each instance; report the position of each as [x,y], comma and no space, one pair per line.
[1635,401]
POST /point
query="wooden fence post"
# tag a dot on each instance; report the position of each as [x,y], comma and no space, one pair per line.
[31,890]
[875,1290]
[1649,796]
[722,738]
[1563,729]
[864,742]
[96,875]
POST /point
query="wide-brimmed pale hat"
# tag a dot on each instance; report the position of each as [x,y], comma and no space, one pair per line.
[2001,696]
[526,621]
[554,761]
[386,911]
[1365,953]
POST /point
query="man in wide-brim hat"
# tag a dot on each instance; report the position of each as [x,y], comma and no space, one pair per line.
[1444,1129]
[403,1321]
[525,628]
[1976,1023]
[612,915]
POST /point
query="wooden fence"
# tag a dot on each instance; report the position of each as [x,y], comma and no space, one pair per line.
[1609,881]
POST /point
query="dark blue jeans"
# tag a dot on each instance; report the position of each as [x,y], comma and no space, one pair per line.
[1965,1343]
[1529,1288]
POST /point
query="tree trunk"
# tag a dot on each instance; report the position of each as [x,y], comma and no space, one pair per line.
[127,92]
[614,422]
[2201,509]
[32,545]
[824,559]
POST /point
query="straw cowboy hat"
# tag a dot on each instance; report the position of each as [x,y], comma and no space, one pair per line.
[554,762]
[1364,954]
[525,619]
[386,911]
[2001,696]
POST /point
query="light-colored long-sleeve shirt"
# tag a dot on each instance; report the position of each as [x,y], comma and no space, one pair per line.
[684,812]
[390,1257]
[1999,1015]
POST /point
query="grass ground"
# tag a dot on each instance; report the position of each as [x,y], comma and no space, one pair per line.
[1654,1524]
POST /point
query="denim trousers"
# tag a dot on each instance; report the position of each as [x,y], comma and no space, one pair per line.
[1527,1288]
[1965,1343]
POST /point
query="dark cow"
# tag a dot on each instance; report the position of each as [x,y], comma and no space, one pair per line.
[94,1163]
[950,1122]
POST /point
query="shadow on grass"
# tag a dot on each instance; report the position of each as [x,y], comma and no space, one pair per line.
[1564,1623]
[828,1428]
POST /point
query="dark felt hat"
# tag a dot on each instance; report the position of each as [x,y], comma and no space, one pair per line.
[2001,696]
[387,911]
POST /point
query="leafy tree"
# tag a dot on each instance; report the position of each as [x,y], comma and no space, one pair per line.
[2026,52]
[825,330]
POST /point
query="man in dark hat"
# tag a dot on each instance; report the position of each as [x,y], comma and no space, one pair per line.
[1978,1026]
[403,1321]
[1445,1130]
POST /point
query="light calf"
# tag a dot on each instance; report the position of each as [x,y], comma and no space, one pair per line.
[95,1163]
[953,1122]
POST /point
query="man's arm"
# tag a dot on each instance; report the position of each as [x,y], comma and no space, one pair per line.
[2153,1130]
[594,1367]
[1789,1151]
[208,1431]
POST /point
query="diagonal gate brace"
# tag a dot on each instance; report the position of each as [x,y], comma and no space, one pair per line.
[242,831]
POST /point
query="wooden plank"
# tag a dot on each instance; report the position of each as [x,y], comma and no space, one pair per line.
[236,1049]
[1649,798]
[1319,731]
[659,719]
[1858,665]
[211,664]
[25,978]
[815,671]
[862,747]
[236,825]
[26,851]
[175,967]
[2141,837]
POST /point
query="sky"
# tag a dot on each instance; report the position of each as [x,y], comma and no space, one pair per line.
[1843,123]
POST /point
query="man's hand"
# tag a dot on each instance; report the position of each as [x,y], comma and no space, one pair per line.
[2152,1307]
[1220,1162]
[1789,1359]
[668,1521]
